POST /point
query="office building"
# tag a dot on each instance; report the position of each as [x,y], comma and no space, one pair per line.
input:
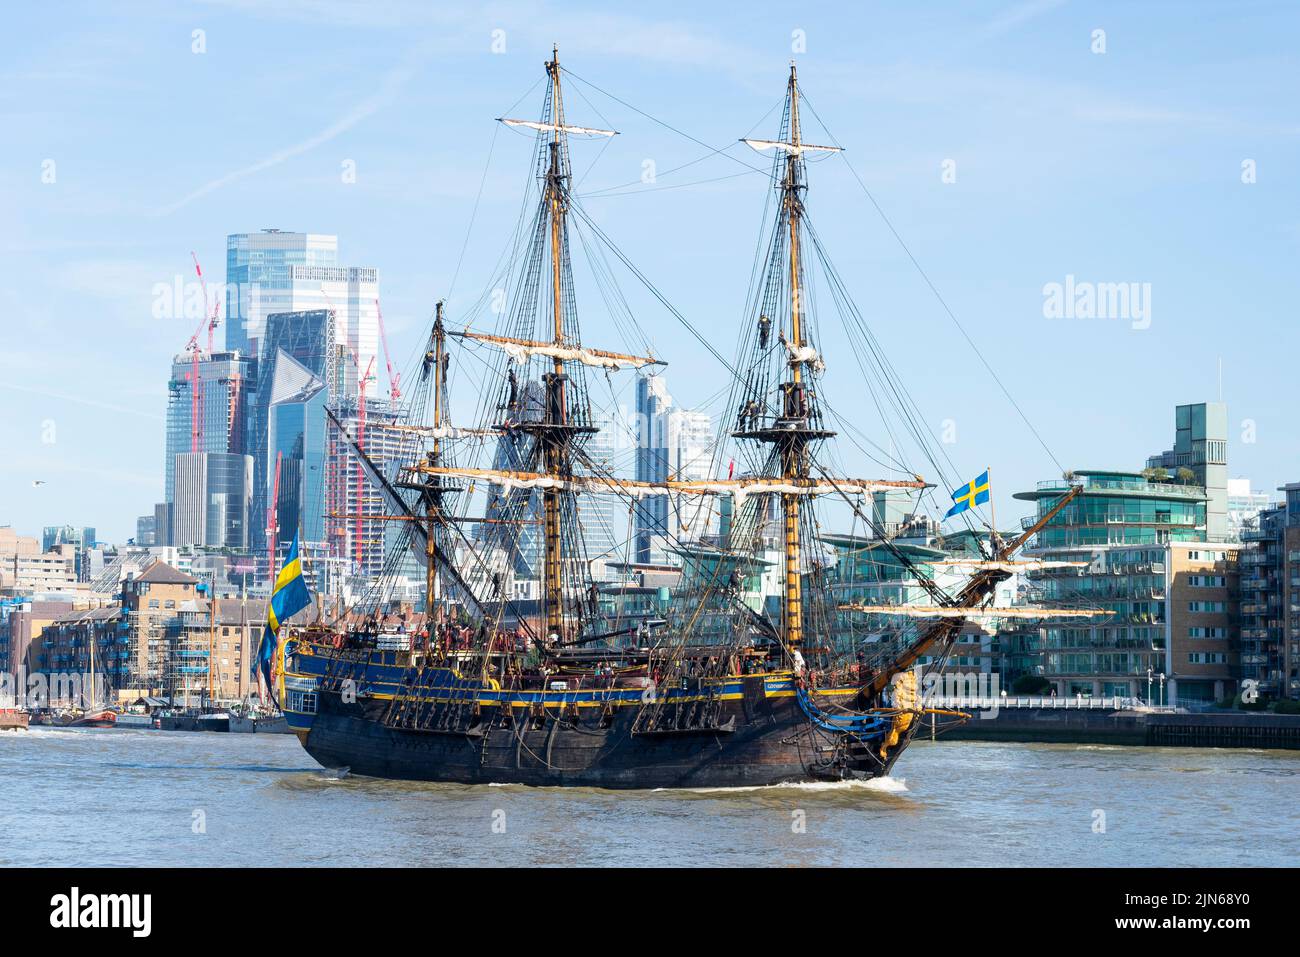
[290,429]
[212,503]
[259,279]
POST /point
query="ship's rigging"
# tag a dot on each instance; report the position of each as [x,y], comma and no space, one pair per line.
[536,405]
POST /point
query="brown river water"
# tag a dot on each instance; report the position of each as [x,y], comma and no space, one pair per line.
[142,797]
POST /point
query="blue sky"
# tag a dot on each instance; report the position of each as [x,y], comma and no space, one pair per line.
[1122,166]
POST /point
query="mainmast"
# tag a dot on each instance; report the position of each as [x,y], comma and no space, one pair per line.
[557,451]
[796,426]
[565,417]
[794,453]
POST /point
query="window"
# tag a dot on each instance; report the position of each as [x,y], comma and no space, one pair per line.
[1207,633]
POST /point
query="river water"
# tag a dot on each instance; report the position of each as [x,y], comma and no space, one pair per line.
[143,797]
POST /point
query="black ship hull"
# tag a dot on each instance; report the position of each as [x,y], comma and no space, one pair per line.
[751,742]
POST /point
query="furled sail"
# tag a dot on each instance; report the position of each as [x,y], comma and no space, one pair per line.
[794,149]
[558,128]
[521,349]
[942,611]
[737,488]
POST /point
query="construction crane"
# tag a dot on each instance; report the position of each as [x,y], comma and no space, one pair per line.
[363,381]
[211,321]
[394,378]
[214,319]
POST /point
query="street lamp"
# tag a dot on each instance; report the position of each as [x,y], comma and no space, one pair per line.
[1148,687]
[1162,689]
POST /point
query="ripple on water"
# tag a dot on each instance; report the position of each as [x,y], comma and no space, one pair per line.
[955,803]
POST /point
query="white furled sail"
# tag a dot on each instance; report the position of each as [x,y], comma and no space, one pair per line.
[942,611]
[558,128]
[1005,566]
[792,148]
[737,488]
[521,349]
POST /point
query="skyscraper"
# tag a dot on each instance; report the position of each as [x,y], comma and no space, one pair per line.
[207,412]
[258,280]
[671,444]
[606,517]
[224,384]
[277,272]
[652,405]
[213,499]
[287,293]
[519,538]
[289,427]
[351,497]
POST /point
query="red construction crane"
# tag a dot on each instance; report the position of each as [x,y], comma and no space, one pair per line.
[196,386]
[214,319]
[363,381]
[361,444]
[394,378]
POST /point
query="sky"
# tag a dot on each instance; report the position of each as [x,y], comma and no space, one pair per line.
[1009,145]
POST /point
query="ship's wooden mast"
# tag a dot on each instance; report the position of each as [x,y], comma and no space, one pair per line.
[794,459]
[433,496]
[556,444]
[564,419]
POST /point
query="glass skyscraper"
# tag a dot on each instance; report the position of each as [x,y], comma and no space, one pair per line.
[259,280]
[213,496]
[289,425]
[225,381]
[671,444]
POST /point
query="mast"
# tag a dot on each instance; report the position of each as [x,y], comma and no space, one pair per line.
[794,455]
[212,639]
[556,453]
[796,426]
[565,415]
[433,498]
[91,703]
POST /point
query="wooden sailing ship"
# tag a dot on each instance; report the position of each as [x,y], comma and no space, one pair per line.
[717,694]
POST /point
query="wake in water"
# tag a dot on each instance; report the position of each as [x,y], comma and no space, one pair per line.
[885,785]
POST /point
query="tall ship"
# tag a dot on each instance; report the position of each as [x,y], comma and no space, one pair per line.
[488,686]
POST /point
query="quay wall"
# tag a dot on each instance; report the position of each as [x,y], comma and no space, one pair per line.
[1206,729]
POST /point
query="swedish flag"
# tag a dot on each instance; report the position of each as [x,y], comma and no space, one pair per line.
[289,597]
[974,492]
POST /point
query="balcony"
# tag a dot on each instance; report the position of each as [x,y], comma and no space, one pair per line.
[1136,485]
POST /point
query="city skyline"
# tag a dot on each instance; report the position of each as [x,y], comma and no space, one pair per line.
[1121,181]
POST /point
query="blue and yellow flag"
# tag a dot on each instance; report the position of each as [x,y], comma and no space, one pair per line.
[974,492]
[289,596]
